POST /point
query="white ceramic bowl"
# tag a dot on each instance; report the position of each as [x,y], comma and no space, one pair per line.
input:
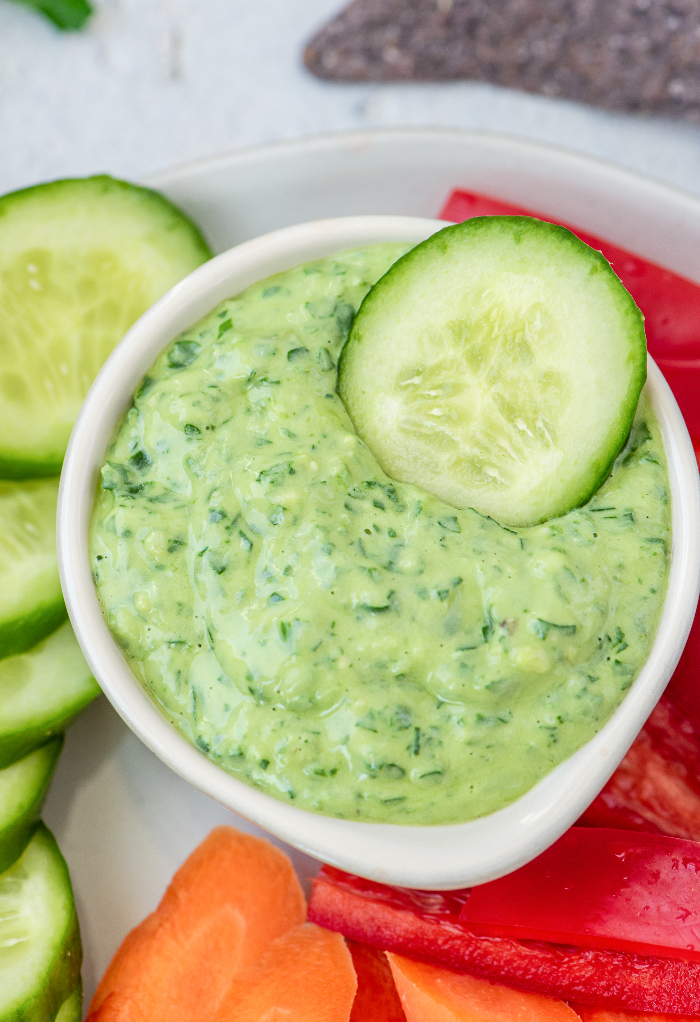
[437,857]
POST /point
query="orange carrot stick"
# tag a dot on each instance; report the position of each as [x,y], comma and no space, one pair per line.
[429,994]
[225,905]
[306,975]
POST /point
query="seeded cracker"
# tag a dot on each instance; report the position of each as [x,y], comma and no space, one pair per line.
[633,55]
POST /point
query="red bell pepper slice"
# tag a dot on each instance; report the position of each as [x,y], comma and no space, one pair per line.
[425,925]
[670,303]
[599,888]
[656,788]
[377,999]
[684,687]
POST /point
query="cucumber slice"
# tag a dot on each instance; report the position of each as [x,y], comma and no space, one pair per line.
[72,1009]
[80,261]
[31,601]
[23,787]
[497,365]
[41,692]
[40,953]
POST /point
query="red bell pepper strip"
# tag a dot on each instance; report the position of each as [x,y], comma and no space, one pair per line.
[670,303]
[599,888]
[377,999]
[684,687]
[425,926]
[656,788]
[588,1014]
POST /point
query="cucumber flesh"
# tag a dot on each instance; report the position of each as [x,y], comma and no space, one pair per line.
[31,601]
[40,952]
[72,1009]
[23,787]
[497,365]
[80,261]
[41,692]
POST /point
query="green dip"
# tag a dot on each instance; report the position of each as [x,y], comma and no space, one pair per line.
[350,644]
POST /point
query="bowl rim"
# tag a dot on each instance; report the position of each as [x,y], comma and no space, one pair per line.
[432,857]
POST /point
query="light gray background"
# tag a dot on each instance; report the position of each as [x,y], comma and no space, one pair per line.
[151,83]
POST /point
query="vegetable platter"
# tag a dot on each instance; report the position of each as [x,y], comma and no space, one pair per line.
[123,821]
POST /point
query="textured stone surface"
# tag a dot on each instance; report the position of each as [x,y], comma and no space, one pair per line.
[634,55]
[152,83]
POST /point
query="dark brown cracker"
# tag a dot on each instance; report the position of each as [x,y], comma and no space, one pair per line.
[635,55]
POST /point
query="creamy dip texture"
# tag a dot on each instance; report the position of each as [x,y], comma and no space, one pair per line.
[348,643]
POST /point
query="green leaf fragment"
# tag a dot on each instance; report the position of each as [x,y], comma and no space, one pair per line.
[297,354]
[69,15]
[542,628]
[182,354]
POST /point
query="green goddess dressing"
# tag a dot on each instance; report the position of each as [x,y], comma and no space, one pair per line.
[350,644]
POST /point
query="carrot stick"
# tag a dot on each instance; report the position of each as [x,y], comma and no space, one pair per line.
[231,898]
[306,975]
[429,994]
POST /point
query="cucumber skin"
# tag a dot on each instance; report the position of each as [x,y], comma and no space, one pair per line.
[48,701]
[442,242]
[18,744]
[24,466]
[72,1008]
[12,845]
[16,835]
[63,975]
[21,633]
[110,184]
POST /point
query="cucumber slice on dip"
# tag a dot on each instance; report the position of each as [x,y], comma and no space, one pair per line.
[80,261]
[40,953]
[31,601]
[41,692]
[23,787]
[498,365]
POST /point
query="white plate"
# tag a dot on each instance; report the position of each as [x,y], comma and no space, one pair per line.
[123,820]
